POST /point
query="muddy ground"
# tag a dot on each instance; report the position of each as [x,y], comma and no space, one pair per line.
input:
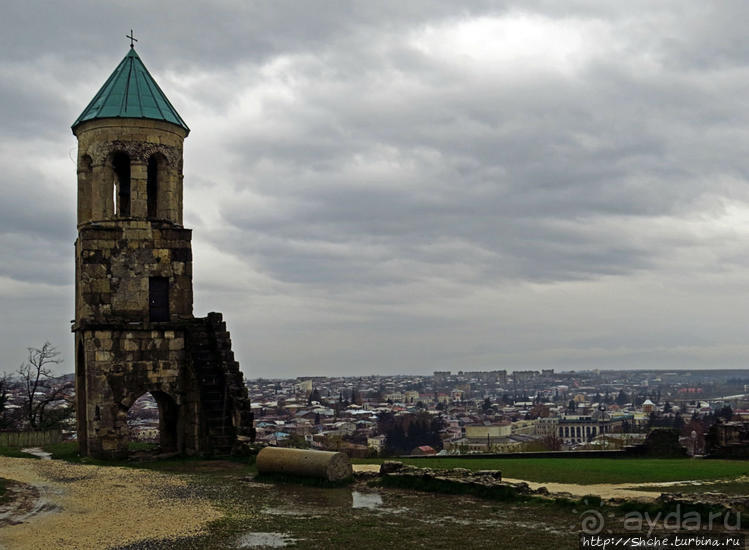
[197,505]
[212,505]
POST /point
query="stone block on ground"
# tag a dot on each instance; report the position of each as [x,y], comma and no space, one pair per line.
[330,466]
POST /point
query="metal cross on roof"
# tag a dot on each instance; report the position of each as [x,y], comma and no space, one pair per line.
[131,37]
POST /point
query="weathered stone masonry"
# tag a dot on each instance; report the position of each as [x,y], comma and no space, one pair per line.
[134,327]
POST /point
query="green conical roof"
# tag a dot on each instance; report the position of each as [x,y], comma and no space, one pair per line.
[131,92]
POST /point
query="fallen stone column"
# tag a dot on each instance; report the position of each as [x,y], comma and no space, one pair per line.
[302,462]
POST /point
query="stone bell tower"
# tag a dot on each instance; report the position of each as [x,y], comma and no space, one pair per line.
[134,328]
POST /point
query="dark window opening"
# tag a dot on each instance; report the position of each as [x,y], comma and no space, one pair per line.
[121,167]
[152,187]
[85,190]
[85,170]
[158,299]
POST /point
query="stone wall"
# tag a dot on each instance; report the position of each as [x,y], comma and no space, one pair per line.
[122,365]
[114,261]
[188,367]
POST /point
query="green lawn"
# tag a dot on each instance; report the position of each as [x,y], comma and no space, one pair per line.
[591,470]
[13,452]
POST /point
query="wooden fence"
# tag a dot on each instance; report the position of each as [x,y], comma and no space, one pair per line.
[29,439]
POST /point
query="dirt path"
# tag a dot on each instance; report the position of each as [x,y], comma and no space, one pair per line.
[85,507]
[604,490]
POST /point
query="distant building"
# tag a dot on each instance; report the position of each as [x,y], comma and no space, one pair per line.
[303,386]
[424,450]
[395,397]
[524,376]
[411,397]
[546,427]
[525,427]
[441,376]
[376,442]
[579,429]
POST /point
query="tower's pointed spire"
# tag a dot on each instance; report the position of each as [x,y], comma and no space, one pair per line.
[131,92]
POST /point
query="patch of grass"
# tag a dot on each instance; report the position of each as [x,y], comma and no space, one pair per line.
[14,452]
[68,451]
[142,446]
[585,471]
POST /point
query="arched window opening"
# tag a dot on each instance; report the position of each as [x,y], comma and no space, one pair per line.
[152,423]
[85,169]
[155,183]
[121,168]
[152,188]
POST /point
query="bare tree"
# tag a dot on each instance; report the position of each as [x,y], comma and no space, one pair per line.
[39,385]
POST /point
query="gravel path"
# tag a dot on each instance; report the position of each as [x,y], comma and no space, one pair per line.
[603,490]
[86,507]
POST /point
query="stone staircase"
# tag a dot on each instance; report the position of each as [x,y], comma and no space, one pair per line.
[224,403]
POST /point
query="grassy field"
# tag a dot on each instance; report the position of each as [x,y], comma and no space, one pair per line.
[586,471]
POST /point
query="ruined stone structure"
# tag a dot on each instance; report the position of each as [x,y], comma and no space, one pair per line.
[134,326]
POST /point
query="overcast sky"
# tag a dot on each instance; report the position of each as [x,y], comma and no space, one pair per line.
[402,187]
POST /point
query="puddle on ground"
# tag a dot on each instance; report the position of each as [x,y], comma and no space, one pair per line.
[370,501]
[494,522]
[269,540]
[289,511]
[38,452]
[314,502]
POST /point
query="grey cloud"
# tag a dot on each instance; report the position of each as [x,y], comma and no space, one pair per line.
[402,209]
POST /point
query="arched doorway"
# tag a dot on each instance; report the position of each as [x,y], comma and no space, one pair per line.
[152,422]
